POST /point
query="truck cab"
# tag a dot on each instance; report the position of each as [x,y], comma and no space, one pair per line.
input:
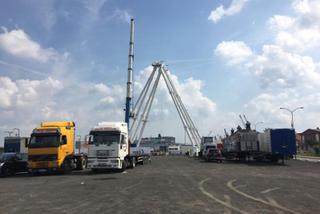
[51,147]
[108,146]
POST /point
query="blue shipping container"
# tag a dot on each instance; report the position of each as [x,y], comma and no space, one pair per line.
[12,144]
[283,142]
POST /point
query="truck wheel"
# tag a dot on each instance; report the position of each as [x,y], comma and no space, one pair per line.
[66,167]
[133,163]
[94,170]
[5,172]
[81,164]
[123,166]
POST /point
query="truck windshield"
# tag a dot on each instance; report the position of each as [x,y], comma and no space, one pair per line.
[42,141]
[106,138]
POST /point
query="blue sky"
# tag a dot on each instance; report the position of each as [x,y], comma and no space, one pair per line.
[235,56]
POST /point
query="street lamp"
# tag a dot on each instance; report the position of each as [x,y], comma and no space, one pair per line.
[255,125]
[292,111]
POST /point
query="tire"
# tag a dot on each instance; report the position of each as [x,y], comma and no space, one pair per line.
[66,167]
[133,163]
[94,170]
[5,172]
[81,165]
[123,166]
[34,172]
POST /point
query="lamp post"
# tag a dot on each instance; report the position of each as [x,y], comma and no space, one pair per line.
[292,111]
[255,125]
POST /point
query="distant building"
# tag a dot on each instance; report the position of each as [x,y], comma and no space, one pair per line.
[159,143]
[310,140]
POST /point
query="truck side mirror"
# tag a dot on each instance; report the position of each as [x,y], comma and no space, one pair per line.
[88,139]
[64,140]
[26,143]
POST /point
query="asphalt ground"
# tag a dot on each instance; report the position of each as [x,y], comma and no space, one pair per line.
[170,185]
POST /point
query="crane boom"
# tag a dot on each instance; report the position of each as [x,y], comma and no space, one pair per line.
[243,123]
[130,71]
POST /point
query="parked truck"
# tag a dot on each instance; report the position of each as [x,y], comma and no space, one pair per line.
[52,148]
[275,144]
[271,145]
[109,148]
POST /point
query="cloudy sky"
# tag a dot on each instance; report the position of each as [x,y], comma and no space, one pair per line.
[67,60]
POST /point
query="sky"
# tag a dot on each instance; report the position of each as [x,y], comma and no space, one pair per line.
[67,60]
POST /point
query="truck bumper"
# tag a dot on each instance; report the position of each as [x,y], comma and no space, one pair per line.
[105,163]
[43,164]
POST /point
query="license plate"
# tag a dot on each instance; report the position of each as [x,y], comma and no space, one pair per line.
[42,165]
[103,153]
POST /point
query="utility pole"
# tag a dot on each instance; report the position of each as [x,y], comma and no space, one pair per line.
[130,71]
[291,111]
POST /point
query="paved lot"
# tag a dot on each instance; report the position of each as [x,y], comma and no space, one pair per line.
[170,185]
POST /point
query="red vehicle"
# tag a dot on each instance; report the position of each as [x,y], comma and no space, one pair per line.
[213,155]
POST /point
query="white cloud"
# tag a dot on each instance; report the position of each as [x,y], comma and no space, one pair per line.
[19,44]
[235,52]
[281,22]
[24,92]
[278,68]
[122,15]
[94,7]
[7,90]
[220,12]
[274,67]
[288,76]
[301,32]
[102,88]
[266,107]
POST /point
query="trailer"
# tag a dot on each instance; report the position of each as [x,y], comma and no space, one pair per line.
[275,144]
[271,145]
[16,144]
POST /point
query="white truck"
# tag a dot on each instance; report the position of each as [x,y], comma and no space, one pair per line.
[174,150]
[109,148]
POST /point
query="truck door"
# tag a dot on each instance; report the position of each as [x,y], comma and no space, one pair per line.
[63,147]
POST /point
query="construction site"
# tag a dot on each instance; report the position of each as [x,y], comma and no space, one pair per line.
[116,168]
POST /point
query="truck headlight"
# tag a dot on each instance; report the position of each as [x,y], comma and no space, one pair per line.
[1,164]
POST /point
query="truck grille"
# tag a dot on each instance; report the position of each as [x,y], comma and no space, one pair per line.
[42,157]
[103,153]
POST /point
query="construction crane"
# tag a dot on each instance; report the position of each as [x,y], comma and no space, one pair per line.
[144,102]
[226,133]
[141,109]
[130,71]
[243,123]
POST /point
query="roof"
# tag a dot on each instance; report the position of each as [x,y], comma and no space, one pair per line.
[311,130]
